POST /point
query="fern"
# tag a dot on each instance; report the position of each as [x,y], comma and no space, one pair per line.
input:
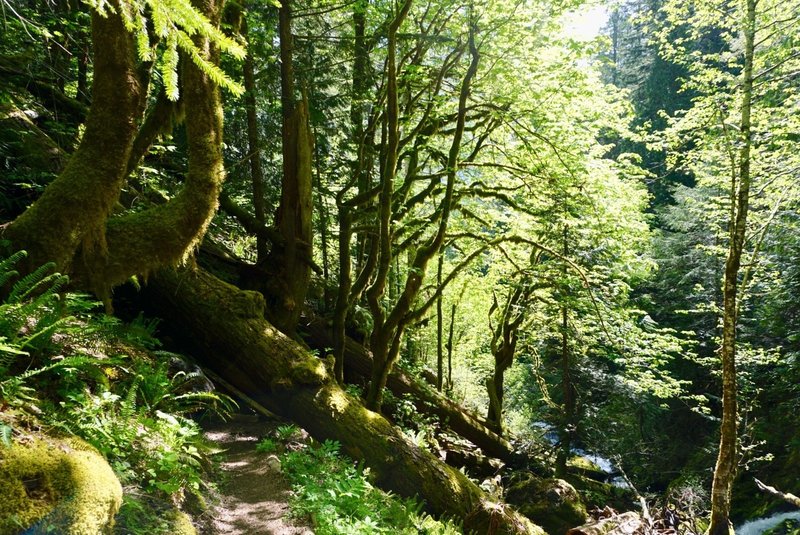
[13,389]
[6,432]
[128,407]
[182,392]
[43,335]
[31,282]
[28,320]
[6,273]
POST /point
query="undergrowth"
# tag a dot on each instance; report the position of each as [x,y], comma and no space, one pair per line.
[68,368]
[337,496]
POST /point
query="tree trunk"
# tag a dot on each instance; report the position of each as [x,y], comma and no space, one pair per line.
[96,250]
[494,386]
[439,329]
[343,296]
[254,147]
[294,213]
[224,325]
[388,328]
[786,496]
[727,460]
[140,242]
[358,364]
[73,209]
[565,433]
[450,348]
[384,332]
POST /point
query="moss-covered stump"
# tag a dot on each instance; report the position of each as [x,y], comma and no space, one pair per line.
[553,504]
[61,485]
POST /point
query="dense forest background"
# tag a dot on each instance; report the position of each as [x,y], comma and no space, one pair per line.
[568,245]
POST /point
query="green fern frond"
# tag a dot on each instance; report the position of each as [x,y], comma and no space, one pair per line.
[164,355]
[7,263]
[27,284]
[128,406]
[43,335]
[73,362]
[183,381]
[169,68]
[216,74]
[197,401]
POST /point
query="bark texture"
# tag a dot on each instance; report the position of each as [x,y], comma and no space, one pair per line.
[293,218]
[727,460]
[73,209]
[225,325]
[165,235]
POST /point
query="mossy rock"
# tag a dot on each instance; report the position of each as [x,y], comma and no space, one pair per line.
[64,486]
[586,468]
[182,524]
[553,504]
[598,494]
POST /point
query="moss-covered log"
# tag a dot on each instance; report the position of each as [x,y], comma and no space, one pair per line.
[358,363]
[231,337]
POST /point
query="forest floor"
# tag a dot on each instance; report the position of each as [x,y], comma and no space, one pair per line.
[253,495]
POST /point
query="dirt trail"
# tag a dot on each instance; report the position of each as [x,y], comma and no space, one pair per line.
[253,495]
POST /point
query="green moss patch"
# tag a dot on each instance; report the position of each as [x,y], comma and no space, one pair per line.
[61,484]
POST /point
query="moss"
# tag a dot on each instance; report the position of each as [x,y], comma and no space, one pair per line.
[64,484]
[248,304]
[582,463]
[598,494]
[553,504]
[181,524]
[143,514]
[309,371]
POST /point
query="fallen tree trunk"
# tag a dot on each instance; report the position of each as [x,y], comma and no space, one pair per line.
[226,327]
[788,497]
[358,362]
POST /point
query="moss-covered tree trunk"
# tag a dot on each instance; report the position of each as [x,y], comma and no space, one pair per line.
[231,337]
[504,345]
[72,211]
[165,235]
[358,365]
[71,223]
[292,257]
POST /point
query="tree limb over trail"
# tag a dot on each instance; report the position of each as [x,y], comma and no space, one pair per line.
[226,328]
[791,498]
